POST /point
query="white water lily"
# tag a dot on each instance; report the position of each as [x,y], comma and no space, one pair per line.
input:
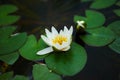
[60,41]
[81,24]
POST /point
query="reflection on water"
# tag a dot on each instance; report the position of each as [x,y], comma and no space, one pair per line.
[102,63]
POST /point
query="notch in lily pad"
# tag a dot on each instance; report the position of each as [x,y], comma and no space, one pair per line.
[5,17]
[41,72]
[29,50]
[10,42]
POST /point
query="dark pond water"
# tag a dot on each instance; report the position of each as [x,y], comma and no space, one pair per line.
[102,63]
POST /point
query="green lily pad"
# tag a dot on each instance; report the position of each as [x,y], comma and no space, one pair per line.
[10,43]
[93,19]
[115,27]
[5,32]
[115,46]
[100,4]
[6,9]
[6,76]
[29,50]
[7,20]
[19,77]
[10,58]
[98,37]
[67,63]
[41,72]
[117,12]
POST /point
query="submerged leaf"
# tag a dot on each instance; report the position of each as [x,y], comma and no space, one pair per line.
[68,63]
[117,12]
[41,72]
[98,37]
[19,77]
[100,4]
[6,76]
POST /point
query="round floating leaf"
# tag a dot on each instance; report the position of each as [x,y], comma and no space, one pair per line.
[117,12]
[5,32]
[11,43]
[7,20]
[6,9]
[31,47]
[6,76]
[41,72]
[98,37]
[93,19]
[115,46]
[67,63]
[115,27]
[19,77]
[79,18]
[10,58]
[100,4]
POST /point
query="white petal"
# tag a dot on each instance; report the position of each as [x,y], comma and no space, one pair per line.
[80,23]
[65,29]
[48,33]
[54,31]
[71,30]
[66,49]
[45,51]
[61,32]
[46,40]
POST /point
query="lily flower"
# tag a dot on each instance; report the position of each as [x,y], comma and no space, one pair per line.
[57,40]
[80,24]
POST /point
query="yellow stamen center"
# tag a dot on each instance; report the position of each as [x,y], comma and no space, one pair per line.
[59,39]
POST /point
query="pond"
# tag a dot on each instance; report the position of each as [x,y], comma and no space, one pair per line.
[99,39]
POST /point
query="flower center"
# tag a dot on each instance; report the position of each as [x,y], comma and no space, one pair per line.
[59,39]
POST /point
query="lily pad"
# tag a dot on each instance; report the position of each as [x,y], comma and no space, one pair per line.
[67,63]
[10,43]
[7,20]
[93,19]
[115,46]
[6,9]
[98,37]
[19,77]
[115,27]
[100,4]
[117,12]
[10,58]
[41,72]
[29,50]
[6,76]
